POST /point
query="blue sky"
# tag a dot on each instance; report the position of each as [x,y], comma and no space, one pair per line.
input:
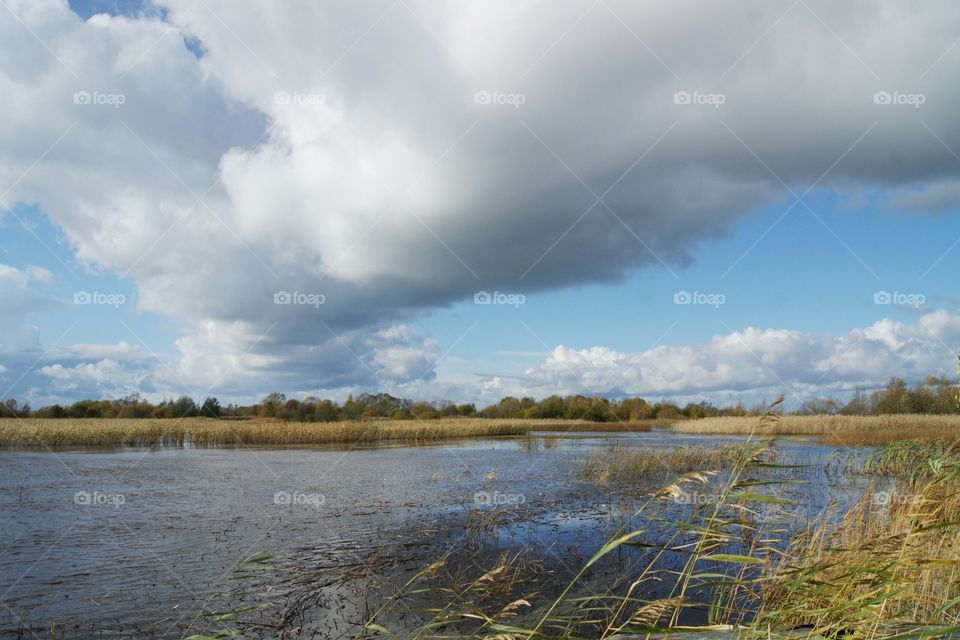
[239,163]
[775,271]
[87,8]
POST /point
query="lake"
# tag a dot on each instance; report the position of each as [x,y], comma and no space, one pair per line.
[138,543]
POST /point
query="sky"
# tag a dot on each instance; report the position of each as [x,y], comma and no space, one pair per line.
[464,201]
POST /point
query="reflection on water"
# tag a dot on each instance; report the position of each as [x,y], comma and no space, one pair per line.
[136,543]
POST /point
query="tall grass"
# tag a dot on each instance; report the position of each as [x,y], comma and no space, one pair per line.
[711,540]
[883,570]
[635,464]
[843,430]
[635,426]
[208,432]
[888,568]
[909,460]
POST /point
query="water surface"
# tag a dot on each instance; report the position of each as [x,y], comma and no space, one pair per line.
[136,543]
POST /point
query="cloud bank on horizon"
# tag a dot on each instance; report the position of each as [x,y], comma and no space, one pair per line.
[393,158]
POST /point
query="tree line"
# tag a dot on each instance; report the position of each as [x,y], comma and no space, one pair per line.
[932,395]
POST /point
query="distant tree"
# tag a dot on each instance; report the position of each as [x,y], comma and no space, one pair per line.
[137,409]
[551,408]
[183,407]
[424,411]
[892,399]
[666,411]
[291,409]
[633,409]
[510,407]
[211,408]
[352,409]
[270,406]
[53,411]
[85,409]
[448,408]
[10,408]
[859,404]
[327,411]
[818,407]
[161,411]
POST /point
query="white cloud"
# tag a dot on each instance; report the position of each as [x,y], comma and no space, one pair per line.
[753,362]
[379,182]
[749,365]
[22,297]
[937,197]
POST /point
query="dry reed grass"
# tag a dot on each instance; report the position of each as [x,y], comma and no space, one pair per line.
[633,464]
[636,426]
[890,564]
[208,432]
[844,430]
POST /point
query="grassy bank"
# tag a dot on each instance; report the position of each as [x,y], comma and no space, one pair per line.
[848,430]
[207,432]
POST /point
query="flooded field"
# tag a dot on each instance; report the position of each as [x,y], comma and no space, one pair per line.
[147,543]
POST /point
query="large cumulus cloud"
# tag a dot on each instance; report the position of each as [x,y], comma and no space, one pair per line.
[338,148]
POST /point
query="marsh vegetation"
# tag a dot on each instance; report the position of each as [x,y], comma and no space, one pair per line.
[885,566]
[837,429]
[209,432]
[496,531]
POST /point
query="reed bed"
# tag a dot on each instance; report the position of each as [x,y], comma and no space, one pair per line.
[830,429]
[635,464]
[910,460]
[208,432]
[888,568]
[636,426]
